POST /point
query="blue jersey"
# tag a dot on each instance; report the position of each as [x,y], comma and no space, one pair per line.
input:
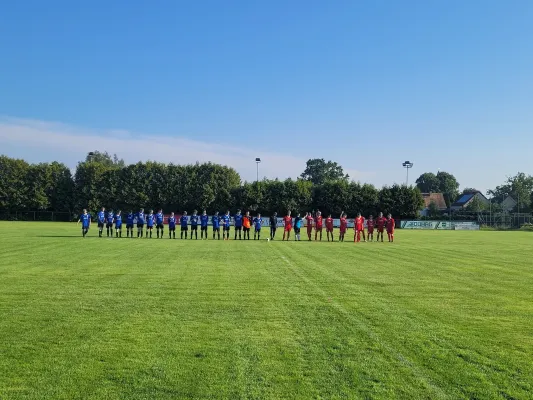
[150,220]
[129,219]
[140,218]
[110,217]
[226,220]
[238,220]
[85,220]
[215,221]
[159,218]
[101,217]
[183,221]
[171,222]
[118,221]
[258,222]
[204,219]
[194,220]
[298,222]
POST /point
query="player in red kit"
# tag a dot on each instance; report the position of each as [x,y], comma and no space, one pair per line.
[359,227]
[370,228]
[309,220]
[287,221]
[329,227]
[380,224]
[318,225]
[344,227]
[390,228]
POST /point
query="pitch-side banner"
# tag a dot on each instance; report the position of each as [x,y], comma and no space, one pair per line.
[442,225]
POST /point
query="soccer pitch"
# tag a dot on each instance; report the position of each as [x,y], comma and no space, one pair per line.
[436,315]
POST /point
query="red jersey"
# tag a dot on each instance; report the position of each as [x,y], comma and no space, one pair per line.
[309,219]
[344,224]
[390,224]
[287,220]
[370,224]
[329,223]
[359,223]
[318,222]
[381,221]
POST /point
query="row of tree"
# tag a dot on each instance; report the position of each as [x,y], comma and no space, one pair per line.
[102,180]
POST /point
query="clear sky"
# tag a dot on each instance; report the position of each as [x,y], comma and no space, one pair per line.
[445,84]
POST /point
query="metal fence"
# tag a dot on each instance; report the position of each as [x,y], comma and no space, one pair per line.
[505,220]
[37,216]
[494,220]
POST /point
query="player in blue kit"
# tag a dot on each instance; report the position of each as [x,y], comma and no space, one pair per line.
[101,221]
[184,220]
[204,220]
[109,223]
[150,221]
[238,224]
[85,219]
[171,226]
[226,219]
[194,223]
[258,221]
[159,223]
[118,224]
[129,224]
[140,222]
[215,221]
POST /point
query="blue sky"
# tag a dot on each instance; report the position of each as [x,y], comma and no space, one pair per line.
[446,84]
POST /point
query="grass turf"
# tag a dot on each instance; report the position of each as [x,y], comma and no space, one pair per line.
[435,315]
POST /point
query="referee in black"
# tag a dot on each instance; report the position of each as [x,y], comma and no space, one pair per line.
[273,225]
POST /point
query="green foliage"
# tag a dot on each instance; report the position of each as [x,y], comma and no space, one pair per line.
[319,171]
[443,182]
[476,205]
[519,187]
[401,200]
[448,186]
[13,179]
[433,210]
[151,185]
[526,227]
[428,183]
[105,158]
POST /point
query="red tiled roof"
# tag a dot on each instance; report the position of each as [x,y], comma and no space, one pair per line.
[437,198]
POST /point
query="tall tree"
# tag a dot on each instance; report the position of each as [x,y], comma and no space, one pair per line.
[469,190]
[105,158]
[428,183]
[13,180]
[518,187]
[319,171]
[448,186]
[476,205]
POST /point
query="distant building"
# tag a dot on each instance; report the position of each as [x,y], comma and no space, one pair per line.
[508,204]
[437,198]
[467,198]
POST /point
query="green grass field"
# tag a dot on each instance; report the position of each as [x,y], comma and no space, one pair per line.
[436,315]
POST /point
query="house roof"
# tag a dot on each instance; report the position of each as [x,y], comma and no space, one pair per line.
[509,199]
[465,198]
[437,198]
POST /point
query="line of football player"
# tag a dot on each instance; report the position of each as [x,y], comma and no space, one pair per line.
[243,224]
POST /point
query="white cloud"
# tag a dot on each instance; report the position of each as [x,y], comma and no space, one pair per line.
[40,141]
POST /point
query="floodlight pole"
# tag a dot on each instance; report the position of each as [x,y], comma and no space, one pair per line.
[407,165]
[257,161]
